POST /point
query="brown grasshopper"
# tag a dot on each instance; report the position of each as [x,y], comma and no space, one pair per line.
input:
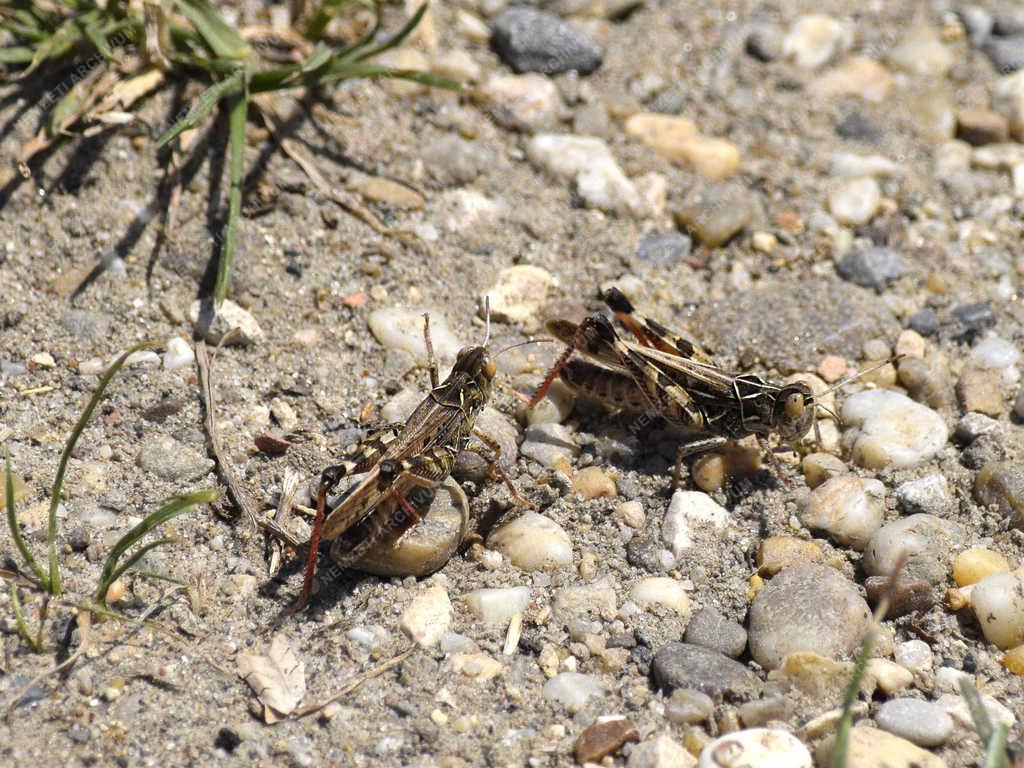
[666,374]
[406,462]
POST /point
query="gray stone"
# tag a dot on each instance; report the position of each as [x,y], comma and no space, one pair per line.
[453,160]
[922,722]
[687,706]
[764,42]
[681,665]
[529,40]
[710,629]
[83,324]
[872,267]
[929,543]
[1009,22]
[928,494]
[972,426]
[977,23]
[170,460]
[717,216]
[925,322]
[806,608]
[664,249]
[971,319]
[1005,53]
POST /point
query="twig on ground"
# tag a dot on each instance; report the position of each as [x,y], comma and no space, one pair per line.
[377,671]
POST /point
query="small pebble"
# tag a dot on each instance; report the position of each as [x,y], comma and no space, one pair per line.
[1006,53]
[928,542]
[847,508]
[717,218]
[890,676]
[426,619]
[891,430]
[973,565]
[806,608]
[529,40]
[779,552]
[925,322]
[872,267]
[921,52]
[761,711]
[571,690]
[661,591]
[874,748]
[929,494]
[710,629]
[665,249]
[402,329]
[914,656]
[529,102]
[497,606]
[821,467]
[533,542]
[228,318]
[1013,660]
[606,738]
[179,354]
[171,460]
[692,515]
[974,425]
[910,344]
[519,292]
[815,39]
[980,126]
[907,596]
[998,603]
[679,139]
[853,203]
[997,354]
[688,706]
[1001,484]
[971,319]
[631,513]
[593,483]
[920,722]
[681,665]
[589,163]
[761,747]
[980,391]
[660,752]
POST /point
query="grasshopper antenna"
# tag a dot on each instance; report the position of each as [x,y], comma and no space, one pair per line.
[865,372]
[487,320]
[523,344]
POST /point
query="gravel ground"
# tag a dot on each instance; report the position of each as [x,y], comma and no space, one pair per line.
[821,208]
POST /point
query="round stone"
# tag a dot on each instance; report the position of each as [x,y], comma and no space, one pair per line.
[873,267]
[889,429]
[688,706]
[529,40]
[973,565]
[929,495]
[847,508]
[497,606]
[711,629]
[874,748]
[661,591]
[533,542]
[914,656]
[928,542]
[763,747]
[806,608]
[854,202]
[571,690]
[998,602]
[681,665]
[777,553]
[918,721]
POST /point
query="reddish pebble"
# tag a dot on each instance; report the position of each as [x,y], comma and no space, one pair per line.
[272,445]
[603,739]
[790,221]
[832,368]
[355,300]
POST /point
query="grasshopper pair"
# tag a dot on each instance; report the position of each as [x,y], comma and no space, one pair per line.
[405,463]
[662,373]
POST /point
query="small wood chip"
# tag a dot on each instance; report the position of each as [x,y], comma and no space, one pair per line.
[603,739]
[271,444]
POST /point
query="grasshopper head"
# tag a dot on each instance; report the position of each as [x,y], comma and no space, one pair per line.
[477,363]
[793,411]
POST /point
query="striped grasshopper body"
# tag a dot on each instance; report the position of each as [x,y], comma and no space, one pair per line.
[404,463]
[664,374]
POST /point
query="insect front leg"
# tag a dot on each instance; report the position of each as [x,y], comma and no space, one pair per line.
[493,459]
[694,447]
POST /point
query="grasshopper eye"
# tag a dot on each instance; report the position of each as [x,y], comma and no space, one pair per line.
[490,368]
[794,406]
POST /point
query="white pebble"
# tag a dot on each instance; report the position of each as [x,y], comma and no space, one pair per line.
[179,354]
[527,102]
[854,202]
[691,514]
[228,319]
[847,508]
[660,752]
[587,161]
[914,656]
[890,676]
[889,429]
[497,606]
[519,293]
[763,747]
[995,353]
[572,690]
[815,39]
[998,603]
[663,591]
[956,707]
[398,328]
[142,358]
[533,542]
[428,617]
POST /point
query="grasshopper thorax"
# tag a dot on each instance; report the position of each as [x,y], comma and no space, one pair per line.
[793,411]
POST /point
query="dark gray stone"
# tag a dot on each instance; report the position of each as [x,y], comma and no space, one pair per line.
[925,322]
[710,629]
[1005,53]
[1009,22]
[856,127]
[681,665]
[665,249]
[971,319]
[972,426]
[529,40]
[873,267]
[764,42]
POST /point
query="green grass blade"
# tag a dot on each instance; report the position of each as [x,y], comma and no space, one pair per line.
[205,102]
[328,10]
[63,39]
[321,55]
[995,751]
[19,618]
[94,32]
[107,579]
[841,745]
[236,144]
[978,712]
[171,508]
[219,36]
[53,587]
[16,54]
[398,38]
[12,524]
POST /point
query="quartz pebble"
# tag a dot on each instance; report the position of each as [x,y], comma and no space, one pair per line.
[519,292]
[874,748]
[593,483]
[857,76]
[171,460]
[679,139]
[891,430]
[664,249]
[889,676]
[710,629]
[631,513]
[717,217]
[660,752]
[847,508]
[816,39]
[589,163]
[691,515]
[402,329]
[688,706]
[956,707]
[921,52]
[763,747]
[229,318]
[928,542]
[571,690]
[872,267]
[973,565]
[497,606]
[779,552]
[605,738]
[920,722]
[929,494]
[427,617]
[998,603]
[549,444]
[179,354]
[681,665]
[528,103]
[529,40]
[806,608]
[854,202]
[914,655]
[661,591]
[533,542]
[997,354]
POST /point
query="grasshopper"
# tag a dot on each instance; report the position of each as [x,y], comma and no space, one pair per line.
[404,463]
[664,373]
